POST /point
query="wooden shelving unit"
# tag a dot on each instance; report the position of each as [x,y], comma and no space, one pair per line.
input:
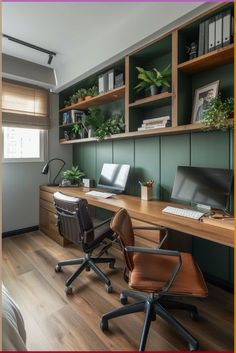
[182,129]
[158,99]
[207,61]
[103,98]
[169,48]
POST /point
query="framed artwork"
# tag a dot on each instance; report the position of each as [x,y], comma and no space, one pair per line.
[202,98]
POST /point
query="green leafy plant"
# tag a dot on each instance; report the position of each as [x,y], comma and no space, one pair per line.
[82,92]
[76,127]
[67,102]
[153,78]
[93,91]
[114,125]
[94,117]
[74,175]
[218,113]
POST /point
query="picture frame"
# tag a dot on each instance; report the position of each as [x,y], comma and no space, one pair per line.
[202,98]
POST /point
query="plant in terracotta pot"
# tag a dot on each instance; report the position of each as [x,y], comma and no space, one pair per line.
[153,81]
[94,91]
[74,98]
[219,115]
[72,177]
[67,102]
[81,93]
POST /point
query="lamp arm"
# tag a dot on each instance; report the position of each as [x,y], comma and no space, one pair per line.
[63,163]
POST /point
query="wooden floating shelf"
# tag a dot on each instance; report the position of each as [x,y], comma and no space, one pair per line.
[103,98]
[66,125]
[158,98]
[208,61]
[182,129]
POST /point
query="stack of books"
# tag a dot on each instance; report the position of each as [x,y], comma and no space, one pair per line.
[155,123]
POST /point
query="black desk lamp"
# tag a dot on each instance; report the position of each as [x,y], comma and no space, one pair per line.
[46,170]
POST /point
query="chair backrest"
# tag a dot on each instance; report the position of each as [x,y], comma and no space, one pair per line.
[121,224]
[74,220]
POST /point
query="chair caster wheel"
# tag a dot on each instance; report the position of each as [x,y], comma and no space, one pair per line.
[123,299]
[58,268]
[193,347]
[104,325]
[194,315]
[87,269]
[109,288]
[69,290]
[112,265]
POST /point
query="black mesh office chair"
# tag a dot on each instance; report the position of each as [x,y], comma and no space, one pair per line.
[76,225]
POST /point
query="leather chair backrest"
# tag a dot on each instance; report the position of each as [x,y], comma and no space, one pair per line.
[121,224]
[74,220]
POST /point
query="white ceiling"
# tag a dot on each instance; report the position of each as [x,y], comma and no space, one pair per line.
[83,34]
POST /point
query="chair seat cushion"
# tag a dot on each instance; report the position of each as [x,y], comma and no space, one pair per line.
[151,272]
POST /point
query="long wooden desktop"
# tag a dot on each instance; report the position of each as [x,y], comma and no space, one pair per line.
[140,211]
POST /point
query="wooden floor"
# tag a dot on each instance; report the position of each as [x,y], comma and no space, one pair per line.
[57,322]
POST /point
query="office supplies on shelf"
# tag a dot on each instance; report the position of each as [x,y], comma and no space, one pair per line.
[103,195]
[227,28]
[211,40]
[183,212]
[218,32]
[201,40]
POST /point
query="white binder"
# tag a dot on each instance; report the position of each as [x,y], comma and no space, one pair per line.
[212,27]
[226,28]
[218,33]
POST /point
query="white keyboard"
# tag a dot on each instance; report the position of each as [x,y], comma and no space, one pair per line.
[103,195]
[183,212]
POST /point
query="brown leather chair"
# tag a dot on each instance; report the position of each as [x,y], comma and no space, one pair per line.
[76,225]
[162,274]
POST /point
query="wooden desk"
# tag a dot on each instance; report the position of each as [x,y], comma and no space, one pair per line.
[140,210]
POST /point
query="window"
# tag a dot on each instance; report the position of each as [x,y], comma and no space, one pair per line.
[23,145]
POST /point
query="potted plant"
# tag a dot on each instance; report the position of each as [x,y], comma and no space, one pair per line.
[67,102]
[72,176]
[74,98]
[114,125]
[219,115]
[153,80]
[76,130]
[93,119]
[82,92]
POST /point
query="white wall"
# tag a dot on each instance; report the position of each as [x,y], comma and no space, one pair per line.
[21,181]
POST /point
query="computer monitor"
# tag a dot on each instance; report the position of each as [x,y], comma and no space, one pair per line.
[114,177]
[205,186]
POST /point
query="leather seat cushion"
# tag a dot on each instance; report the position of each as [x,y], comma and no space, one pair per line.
[151,272]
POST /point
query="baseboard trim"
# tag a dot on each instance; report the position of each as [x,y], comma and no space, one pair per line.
[229,287]
[19,231]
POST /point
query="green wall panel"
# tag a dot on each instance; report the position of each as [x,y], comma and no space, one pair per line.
[123,153]
[85,156]
[104,155]
[147,163]
[175,151]
[210,149]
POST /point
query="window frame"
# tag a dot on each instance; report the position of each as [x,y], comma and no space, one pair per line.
[43,140]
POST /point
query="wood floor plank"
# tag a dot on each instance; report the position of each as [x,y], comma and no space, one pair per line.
[58,322]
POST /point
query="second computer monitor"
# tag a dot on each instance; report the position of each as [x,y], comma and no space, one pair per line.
[114,177]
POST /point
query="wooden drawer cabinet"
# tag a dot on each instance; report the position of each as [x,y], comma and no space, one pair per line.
[47,218]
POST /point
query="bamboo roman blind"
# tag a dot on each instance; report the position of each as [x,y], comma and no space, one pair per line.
[24,106]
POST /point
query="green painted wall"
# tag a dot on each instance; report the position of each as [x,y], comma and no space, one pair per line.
[157,158]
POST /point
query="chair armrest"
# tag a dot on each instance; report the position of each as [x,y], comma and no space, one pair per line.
[157,251]
[165,230]
[102,223]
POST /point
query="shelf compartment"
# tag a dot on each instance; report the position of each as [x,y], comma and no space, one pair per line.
[115,94]
[158,100]
[182,129]
[210,60]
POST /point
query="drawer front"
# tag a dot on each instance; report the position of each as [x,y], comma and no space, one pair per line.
[153,236]
[47,196]
[47,205]
[47,224]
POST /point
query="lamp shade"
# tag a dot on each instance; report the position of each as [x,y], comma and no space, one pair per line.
[45,169]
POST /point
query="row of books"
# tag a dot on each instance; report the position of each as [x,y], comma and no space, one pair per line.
[155,123]
[216,32]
